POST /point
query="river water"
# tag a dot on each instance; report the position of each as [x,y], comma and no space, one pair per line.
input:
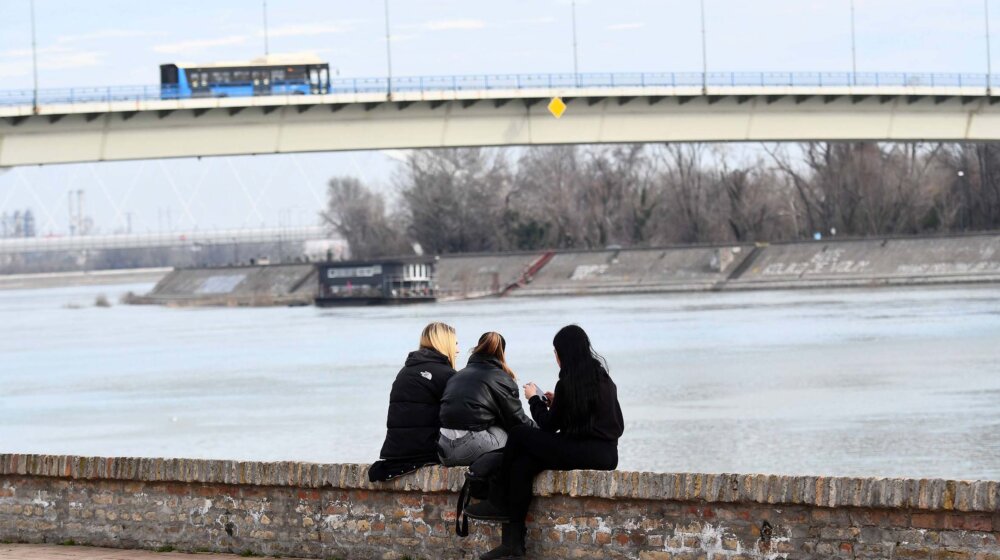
[885,382]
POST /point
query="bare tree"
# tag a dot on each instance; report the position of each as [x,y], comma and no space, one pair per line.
[595,196]
[544,202]
[455,200]
[359,215]
[970,194]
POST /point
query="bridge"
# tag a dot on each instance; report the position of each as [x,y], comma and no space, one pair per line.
[124,123]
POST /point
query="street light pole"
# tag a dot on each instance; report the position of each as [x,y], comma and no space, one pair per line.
[989,60]
[576,64]
[388,54]
[704,52]
[34,62]
[267,47]
[854,49]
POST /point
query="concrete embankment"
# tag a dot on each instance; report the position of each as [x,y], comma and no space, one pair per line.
[322,511]
[93,278]
[292,284]
[819,264]
[874,262]
[634,271]
[472,276]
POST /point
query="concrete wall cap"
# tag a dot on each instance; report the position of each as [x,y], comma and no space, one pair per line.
[914,494]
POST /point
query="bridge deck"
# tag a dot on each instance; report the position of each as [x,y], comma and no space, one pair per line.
[779,107]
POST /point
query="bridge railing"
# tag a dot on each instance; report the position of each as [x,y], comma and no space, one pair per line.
[54,96]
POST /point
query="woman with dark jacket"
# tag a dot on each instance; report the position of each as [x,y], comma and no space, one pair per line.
[412,424]
[580,426]
[480,405]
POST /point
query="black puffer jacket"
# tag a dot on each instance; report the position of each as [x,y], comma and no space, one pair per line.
[482,395]
[412,425]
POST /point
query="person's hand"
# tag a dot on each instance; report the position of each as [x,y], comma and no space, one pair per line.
[550,396]
[530,390]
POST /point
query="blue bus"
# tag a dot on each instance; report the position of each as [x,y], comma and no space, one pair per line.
[269,75]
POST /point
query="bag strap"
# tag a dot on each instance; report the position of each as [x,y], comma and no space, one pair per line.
[462,520]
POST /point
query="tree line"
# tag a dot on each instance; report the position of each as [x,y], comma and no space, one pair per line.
[584,197]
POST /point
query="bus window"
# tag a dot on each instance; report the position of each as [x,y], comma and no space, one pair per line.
[241,76]
[277,75]
[314,76]
[220,77]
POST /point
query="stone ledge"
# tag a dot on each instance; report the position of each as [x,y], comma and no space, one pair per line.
[915,494]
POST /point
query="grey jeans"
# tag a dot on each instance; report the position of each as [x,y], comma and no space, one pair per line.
[464,451]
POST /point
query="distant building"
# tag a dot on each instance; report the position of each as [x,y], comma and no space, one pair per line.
[17,224]
[29,224]
[377,281]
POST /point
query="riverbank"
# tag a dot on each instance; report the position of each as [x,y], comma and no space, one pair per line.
[814,264]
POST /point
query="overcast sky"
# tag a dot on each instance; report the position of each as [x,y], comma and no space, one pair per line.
[122,42]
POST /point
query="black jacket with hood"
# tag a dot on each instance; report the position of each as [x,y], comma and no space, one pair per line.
[414,402]
[482,395]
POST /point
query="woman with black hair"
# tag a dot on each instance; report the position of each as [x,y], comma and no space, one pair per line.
[580,424]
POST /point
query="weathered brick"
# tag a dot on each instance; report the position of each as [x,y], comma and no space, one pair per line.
[911,553]
[289,508]
[968,521]
[928,520]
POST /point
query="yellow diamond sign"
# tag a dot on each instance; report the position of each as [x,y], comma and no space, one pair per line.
[557,107]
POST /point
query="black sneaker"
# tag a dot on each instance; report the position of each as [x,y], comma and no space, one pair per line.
[486,511]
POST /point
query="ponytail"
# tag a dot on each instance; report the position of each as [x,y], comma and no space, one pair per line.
[493,344]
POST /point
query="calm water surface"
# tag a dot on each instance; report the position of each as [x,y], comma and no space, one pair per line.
[891,382]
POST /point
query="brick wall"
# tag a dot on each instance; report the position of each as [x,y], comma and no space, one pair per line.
[332,511]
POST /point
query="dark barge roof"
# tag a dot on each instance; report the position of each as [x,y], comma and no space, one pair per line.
[423,259]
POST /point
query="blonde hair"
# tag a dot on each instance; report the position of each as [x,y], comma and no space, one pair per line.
[441,337]
[493,344]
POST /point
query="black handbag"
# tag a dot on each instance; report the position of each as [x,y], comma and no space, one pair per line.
[478,478]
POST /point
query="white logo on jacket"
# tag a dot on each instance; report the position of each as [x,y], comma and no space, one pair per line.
[426,374]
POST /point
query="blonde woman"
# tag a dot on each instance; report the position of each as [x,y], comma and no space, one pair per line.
[412,426]
[480,405]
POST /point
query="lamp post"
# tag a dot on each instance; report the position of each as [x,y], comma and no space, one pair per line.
[966,195]
[34,63]
[267,47]
[388,54]
[854,49]
[704,52]
[989,60]
[576,63]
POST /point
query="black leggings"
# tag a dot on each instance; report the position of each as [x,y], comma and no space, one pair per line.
[530,451]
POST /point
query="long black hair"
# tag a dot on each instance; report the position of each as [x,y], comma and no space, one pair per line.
[580,371]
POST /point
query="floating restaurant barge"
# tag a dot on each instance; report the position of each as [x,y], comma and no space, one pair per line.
[376,282]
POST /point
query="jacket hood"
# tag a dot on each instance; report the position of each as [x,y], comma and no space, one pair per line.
[485,359]
[425,355]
